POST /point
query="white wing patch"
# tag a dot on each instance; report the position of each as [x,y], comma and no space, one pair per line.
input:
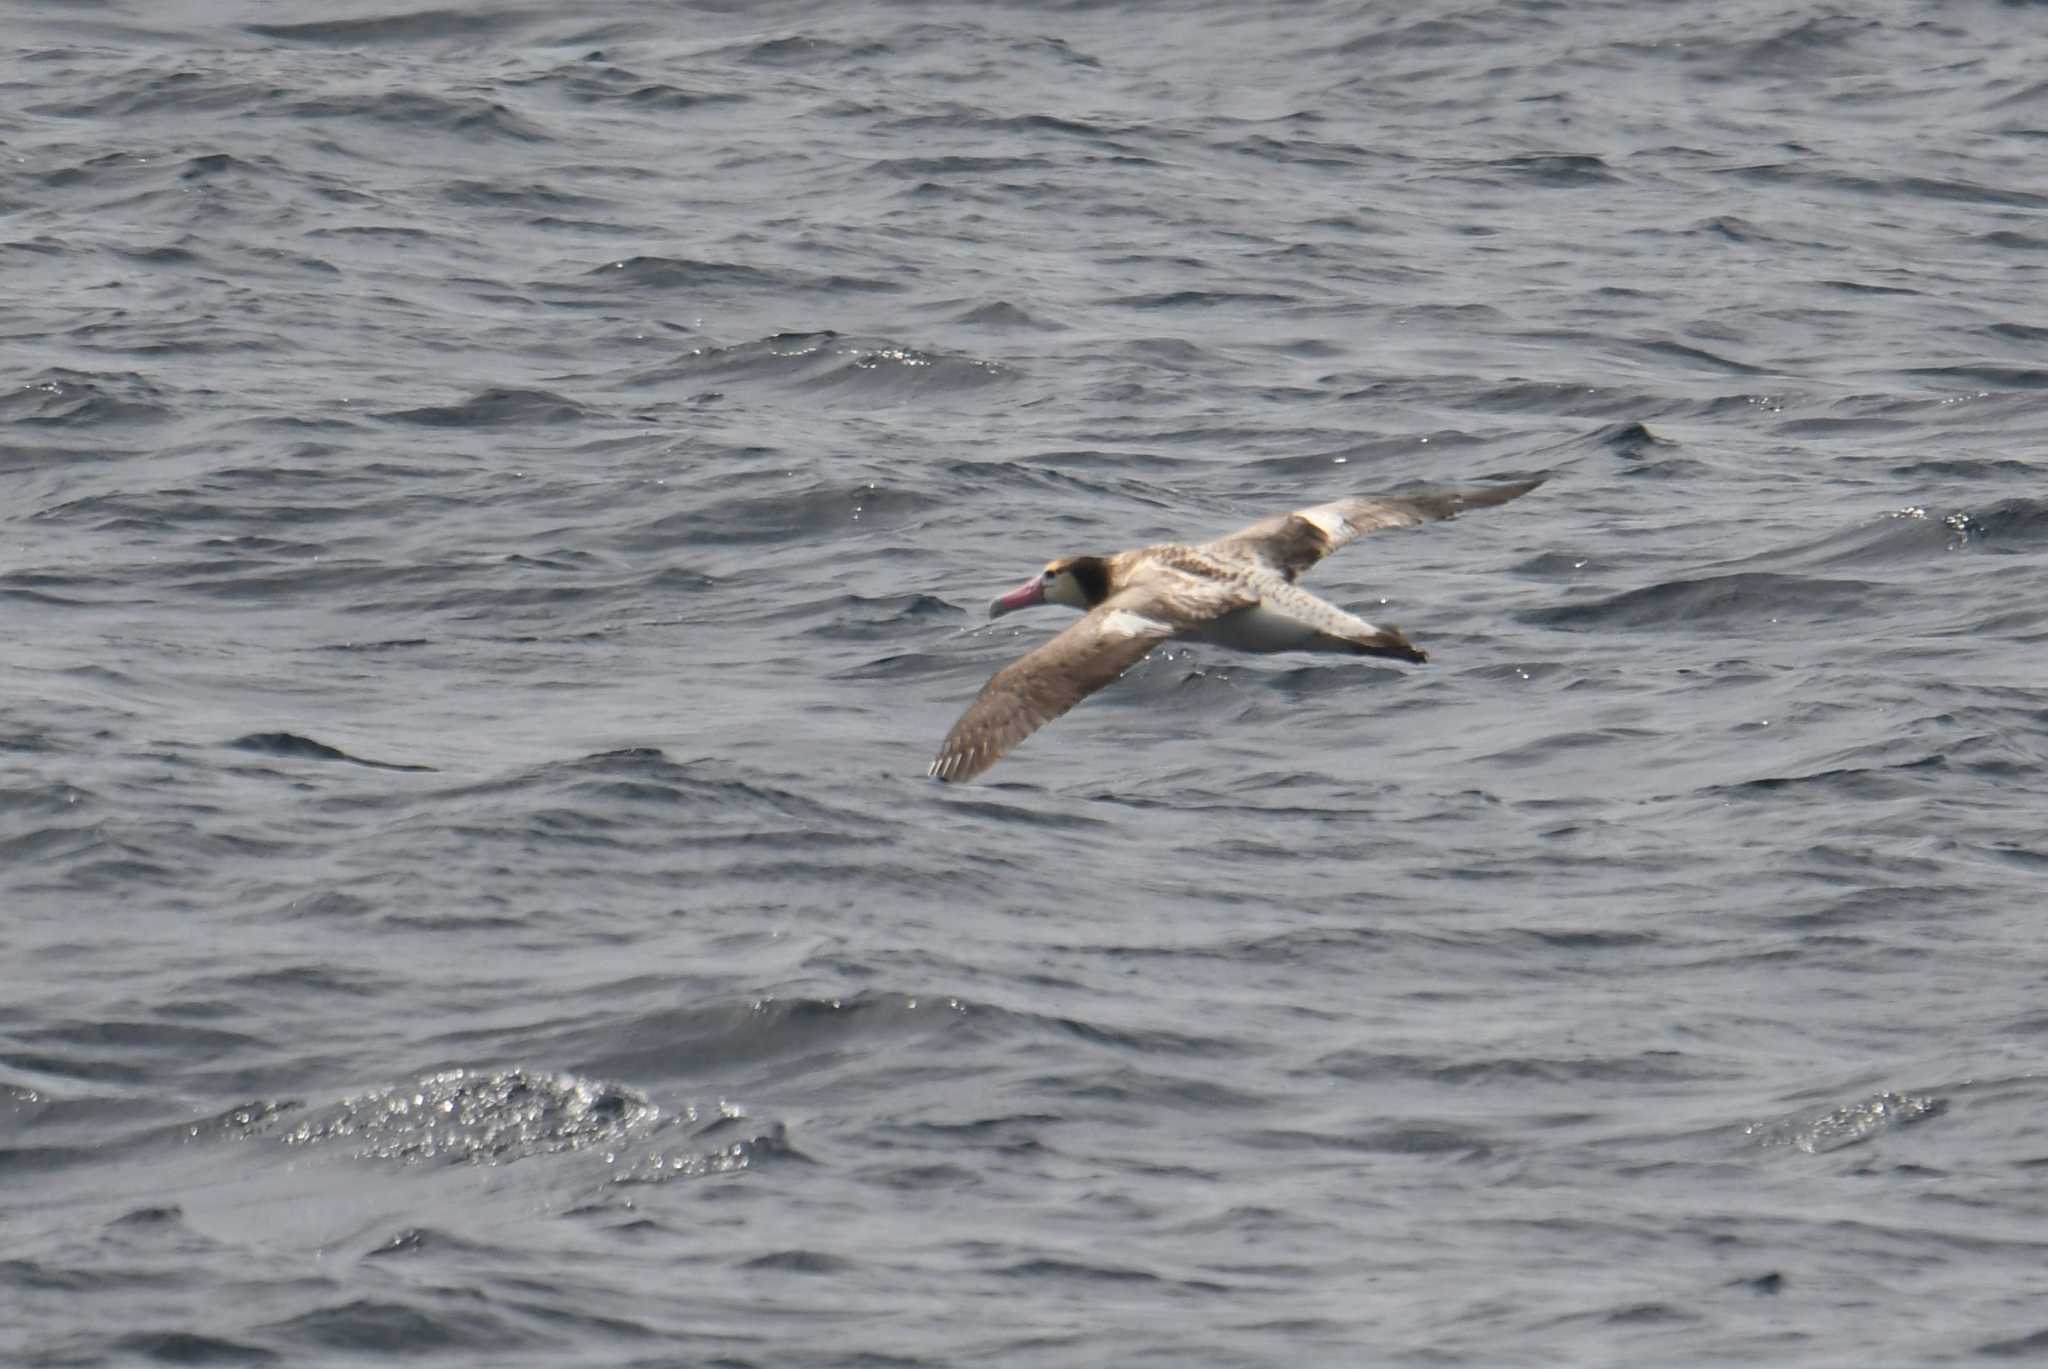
[1121,622]
[1327,520]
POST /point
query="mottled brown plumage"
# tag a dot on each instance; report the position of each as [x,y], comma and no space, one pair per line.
[1236,591]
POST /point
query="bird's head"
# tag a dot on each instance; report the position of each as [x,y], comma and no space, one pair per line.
[1079,582]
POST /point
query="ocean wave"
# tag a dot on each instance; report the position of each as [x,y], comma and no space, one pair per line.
[1748,597]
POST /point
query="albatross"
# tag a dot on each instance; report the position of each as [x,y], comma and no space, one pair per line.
[1238,591]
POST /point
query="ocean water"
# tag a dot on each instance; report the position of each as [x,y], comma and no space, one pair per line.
[497,508]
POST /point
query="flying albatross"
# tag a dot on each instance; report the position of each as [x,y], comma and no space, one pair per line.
[1237,591]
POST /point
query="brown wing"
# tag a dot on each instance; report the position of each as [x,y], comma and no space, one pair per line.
[1041,685]
[1292,542]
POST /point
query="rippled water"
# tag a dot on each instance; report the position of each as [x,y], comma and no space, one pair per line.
[496,509]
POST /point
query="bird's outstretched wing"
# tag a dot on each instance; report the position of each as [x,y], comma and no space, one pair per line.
[1044,683]
[1292,542]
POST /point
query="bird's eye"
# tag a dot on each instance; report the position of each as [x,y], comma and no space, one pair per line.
[1048,576]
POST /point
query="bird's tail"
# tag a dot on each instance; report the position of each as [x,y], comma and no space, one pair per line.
[1388,641]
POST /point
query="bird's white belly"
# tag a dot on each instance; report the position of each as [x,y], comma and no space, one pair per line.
[1258,628]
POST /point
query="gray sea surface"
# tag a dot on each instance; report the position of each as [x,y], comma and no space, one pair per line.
[498,505]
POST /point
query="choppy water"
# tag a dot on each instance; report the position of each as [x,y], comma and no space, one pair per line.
[496,506]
